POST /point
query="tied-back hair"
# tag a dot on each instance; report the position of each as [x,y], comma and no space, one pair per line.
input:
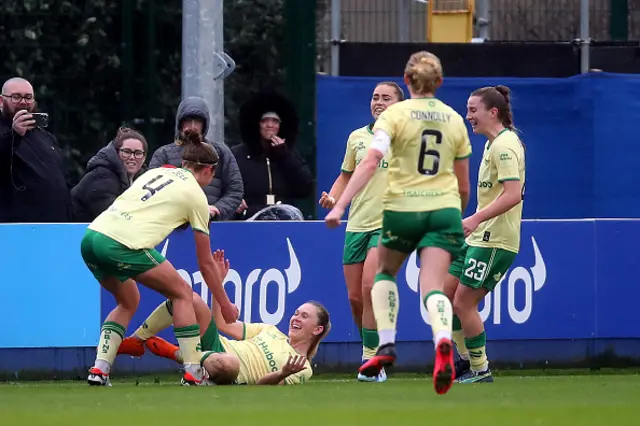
[498,97]
[197,153]
[125,133]
[424,72]
[396,88]
[325,322]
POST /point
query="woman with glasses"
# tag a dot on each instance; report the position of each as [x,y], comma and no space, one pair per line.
[109,173]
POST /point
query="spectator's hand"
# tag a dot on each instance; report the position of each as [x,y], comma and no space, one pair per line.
[213,211]
[23,121]
[326,201]
[277,142]
[243,207]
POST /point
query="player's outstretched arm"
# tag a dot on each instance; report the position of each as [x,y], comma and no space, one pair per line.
[213,277]
[461,169]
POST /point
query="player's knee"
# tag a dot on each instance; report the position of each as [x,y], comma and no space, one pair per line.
[130,304]
[461,306]
[223,368]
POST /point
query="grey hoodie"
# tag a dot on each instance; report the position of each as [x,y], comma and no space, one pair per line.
[226,189]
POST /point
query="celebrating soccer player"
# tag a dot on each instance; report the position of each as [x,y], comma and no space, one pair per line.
[428,186]
[360,258]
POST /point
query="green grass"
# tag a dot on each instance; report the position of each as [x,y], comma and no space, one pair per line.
[513,401]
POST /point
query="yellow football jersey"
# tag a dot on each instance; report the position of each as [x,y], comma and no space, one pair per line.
[365,213]
[502,160]
[155,204]
[264,349]
[427,136]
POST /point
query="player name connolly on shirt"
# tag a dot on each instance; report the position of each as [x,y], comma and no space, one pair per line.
[267,353]
[431,116]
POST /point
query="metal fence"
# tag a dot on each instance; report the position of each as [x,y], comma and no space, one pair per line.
[510,20]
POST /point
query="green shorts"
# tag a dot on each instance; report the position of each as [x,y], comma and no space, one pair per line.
[481,267]
[357,245]
[210,341]
[406,231]
[106,257]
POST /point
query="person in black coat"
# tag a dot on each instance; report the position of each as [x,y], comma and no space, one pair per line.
[272,170]
[109,173]
[34,185]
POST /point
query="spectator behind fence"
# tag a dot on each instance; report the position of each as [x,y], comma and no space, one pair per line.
[224,194]
[272,170]
[33,179]
[109,173]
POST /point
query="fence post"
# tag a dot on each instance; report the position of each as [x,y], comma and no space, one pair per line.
[300,66]
[619,20]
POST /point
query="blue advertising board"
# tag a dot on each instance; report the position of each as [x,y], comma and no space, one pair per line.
[571,280]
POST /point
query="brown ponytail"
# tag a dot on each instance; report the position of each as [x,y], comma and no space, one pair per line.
[197,152]
[498,97]
[325,322]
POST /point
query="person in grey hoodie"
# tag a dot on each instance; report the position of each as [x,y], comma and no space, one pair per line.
[226,189]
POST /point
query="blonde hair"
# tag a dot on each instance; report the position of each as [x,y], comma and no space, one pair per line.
[424,72]
[325,322]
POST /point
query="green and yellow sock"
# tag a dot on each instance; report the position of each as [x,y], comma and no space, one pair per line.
[440,315]
[458,338]
[386,305]
[160,318]
[189,342]
[477,352]
[370,342]
[111,336]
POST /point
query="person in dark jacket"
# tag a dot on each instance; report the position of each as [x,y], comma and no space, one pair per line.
[109,173]
[272,170]
[33,179]
[225,191]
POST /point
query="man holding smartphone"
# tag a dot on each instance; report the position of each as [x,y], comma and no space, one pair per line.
[33,186]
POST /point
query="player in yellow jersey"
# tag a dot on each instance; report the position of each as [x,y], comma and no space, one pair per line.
[493,231]
[118,248]
[360,257]
[259,354]
[428,186]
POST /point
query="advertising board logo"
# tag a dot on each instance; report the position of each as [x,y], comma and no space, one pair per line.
[241,290]
[533,280]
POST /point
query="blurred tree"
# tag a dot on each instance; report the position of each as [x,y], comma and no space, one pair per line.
[86,58]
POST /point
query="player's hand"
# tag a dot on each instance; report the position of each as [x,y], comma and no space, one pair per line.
[223,264]
[326,201]
[469,225]
[23,121]
[294,365]
[333,218]
[230,313]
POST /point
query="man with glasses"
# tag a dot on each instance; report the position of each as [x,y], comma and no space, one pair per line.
[33,185]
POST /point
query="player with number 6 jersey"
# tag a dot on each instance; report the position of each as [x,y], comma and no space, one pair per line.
[118,248]
[493,231]
[427,188]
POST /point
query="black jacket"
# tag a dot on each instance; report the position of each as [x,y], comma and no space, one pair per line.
[225,190]
[33,179]
[104,180]
[290,176]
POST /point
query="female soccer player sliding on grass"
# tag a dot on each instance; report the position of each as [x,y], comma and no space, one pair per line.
[428,186]
[260,354]
[493,231]
[360,258]
[118,248]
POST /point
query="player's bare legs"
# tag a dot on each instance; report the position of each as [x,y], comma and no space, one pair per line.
[434,268]
[113,329]
[353,279]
